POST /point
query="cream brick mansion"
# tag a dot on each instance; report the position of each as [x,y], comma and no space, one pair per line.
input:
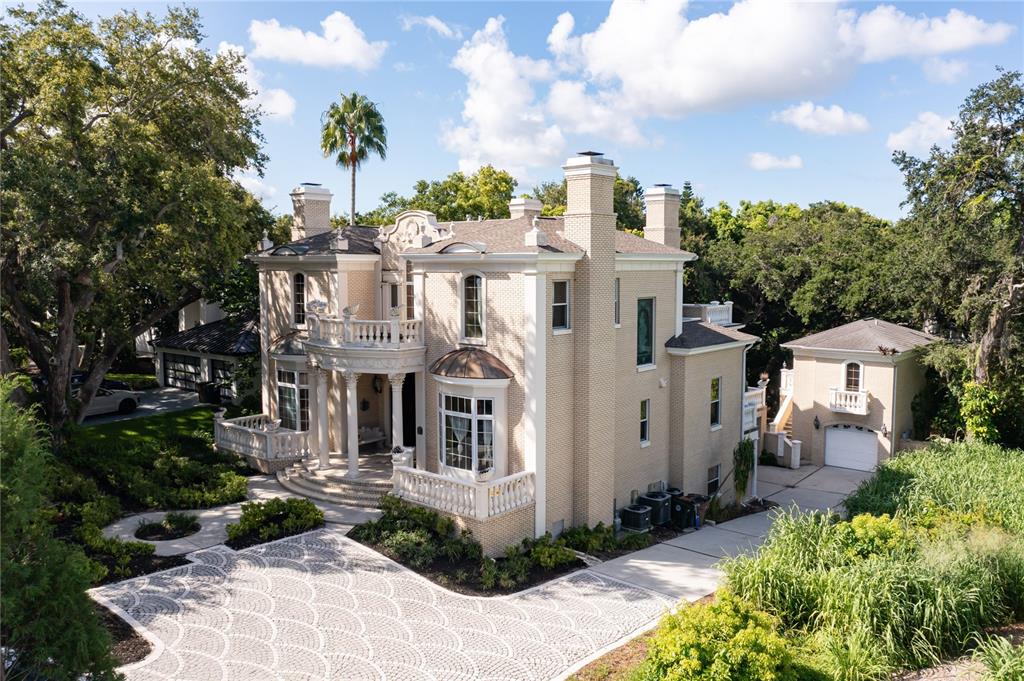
[533,373]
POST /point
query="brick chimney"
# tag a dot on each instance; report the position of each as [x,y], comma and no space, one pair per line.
[312,210]
[662,215]
[528,208]
[590,224]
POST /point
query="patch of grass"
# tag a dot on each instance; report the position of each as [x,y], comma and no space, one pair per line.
[961,478]
[1003,661]
[155,429]
[135,381]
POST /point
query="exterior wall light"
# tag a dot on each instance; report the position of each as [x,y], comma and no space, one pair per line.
[817,423]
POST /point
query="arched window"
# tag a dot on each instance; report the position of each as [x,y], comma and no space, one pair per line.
[299,299]
[473,308]
[853,377]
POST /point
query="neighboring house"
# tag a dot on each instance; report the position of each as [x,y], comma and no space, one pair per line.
[195,313]
[846,401]
[541,371]
[202,352]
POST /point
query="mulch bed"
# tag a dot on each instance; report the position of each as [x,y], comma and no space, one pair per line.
[160,532]
[443,573]
[126,644]
[253,540]
[141,566]
[620,663]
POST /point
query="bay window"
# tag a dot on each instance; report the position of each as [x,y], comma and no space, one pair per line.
[466,425]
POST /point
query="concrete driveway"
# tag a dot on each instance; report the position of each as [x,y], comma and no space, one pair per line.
[155,401]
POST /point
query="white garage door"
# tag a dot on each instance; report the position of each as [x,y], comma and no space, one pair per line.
[851,448]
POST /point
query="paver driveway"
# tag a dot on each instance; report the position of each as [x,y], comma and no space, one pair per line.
[321,606]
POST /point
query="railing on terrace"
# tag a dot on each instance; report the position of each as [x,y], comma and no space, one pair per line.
[786,381]
[259,437]
[753,402]
[712,313]
[479,500]
[848,401]
[347,331]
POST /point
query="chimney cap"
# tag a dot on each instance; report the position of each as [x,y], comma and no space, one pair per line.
[590,153]
[312,189]
[660,190]
[310,184]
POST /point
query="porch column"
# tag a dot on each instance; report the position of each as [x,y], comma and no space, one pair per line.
[352,409]
[397,438]
[323,444]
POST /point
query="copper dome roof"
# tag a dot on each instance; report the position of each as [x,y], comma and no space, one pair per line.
[470,363]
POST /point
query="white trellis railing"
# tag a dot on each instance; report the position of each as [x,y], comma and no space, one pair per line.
[479,500]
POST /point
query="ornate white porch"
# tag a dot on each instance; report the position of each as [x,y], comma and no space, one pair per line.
[260,441]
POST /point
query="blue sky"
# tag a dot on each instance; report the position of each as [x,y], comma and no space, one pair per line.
[753,100]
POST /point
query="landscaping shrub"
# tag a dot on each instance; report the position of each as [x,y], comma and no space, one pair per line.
[962,478]
[1003,661]
[263,521]
[601,539]
[549,553]
[173,526]
[49,628]
[728,639]
[415,548]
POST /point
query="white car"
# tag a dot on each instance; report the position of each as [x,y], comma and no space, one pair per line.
[106,401]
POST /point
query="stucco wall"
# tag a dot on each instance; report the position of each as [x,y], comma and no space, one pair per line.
[910,380]
[813,377]
[696,445]
[636,465]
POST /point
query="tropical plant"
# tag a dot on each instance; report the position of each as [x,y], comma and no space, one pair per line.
[743,464]
[351,130]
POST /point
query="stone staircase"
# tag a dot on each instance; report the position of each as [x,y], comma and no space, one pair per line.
[331,485]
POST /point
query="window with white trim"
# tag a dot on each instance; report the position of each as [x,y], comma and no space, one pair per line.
[473,307]
[644,331]
[560,311]
[716,401]
[410,293]
[852,376]
[714,474]
[299,299]
[466,427]
[293,399]
[645,422]
[617,309]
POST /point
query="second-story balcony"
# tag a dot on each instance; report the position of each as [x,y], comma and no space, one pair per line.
[848,401]
[712,313]
[392,345]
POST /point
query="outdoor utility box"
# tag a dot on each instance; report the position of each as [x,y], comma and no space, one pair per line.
[208,391]
[684,511]
[636,518]
[660,505]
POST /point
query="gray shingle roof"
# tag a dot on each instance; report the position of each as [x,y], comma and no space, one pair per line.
[222,337]
[702,334]
[360,242]
[865,335]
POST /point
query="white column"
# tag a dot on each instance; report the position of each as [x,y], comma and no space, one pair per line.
[352,409]
[396,381]
[421,422]
[535,408]
[323,445]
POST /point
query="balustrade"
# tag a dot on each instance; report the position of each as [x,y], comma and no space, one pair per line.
[479,500]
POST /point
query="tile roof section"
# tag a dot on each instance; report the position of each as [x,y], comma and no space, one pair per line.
[470,363]
[865,335]
[360,242]
[222,337]
[702,335]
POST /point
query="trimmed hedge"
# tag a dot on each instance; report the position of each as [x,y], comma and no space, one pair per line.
[264,521]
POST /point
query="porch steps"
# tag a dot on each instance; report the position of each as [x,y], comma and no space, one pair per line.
[331,485]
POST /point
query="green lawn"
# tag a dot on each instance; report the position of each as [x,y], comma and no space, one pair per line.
[153,429]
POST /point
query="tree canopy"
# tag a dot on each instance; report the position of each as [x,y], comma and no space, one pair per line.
[485,193]
[118,142]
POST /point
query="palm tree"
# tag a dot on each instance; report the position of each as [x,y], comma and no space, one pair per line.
[353,129]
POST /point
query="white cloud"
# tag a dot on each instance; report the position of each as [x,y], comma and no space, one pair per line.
[433,23]
[275,103]
[257,187]
[918,137]
[819,120]
[341,43]
[762,160]
[575,110]
[886,32]
[502,123]
[403,66]
[948,71]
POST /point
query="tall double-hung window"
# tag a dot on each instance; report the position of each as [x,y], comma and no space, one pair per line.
[293,399]
[644,331]
[467,432]
[473,308]
[299,298]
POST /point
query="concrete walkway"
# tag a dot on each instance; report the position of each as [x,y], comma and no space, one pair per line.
[213,522]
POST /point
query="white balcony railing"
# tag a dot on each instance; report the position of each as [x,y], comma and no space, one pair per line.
[479,500]
[712,313]
[786,381]
[753,402]
[259,437]
[347,331]
[848,401]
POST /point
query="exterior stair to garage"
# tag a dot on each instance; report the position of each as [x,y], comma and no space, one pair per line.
[331,485]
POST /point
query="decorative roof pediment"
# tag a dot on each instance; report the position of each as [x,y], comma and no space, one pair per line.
[414,229]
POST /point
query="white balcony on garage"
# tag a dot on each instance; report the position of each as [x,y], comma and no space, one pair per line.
[848,401]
